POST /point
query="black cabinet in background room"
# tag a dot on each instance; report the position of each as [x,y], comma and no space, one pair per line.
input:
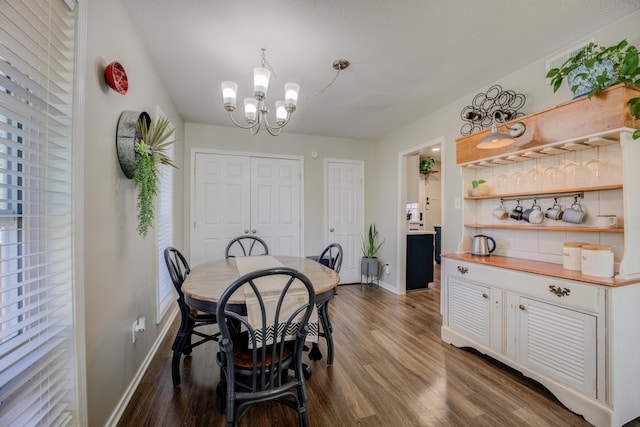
[419,261]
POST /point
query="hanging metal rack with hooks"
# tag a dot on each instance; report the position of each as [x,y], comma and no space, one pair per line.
[555,196]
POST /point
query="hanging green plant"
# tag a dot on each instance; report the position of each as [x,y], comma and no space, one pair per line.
[595,68]
[151,144]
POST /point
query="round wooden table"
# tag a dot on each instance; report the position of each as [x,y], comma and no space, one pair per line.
[205,284]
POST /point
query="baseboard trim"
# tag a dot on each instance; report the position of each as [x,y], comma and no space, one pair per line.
[126,397]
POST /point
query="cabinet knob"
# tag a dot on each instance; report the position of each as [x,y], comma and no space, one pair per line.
[463,270]
[485,296]
[254,231]
[331,229]
[246,231]
[522,307]
[559,291]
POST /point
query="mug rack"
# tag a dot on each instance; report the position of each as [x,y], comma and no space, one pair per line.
[576,195]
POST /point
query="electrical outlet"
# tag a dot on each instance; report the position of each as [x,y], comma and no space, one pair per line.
[386,269]
[138,326]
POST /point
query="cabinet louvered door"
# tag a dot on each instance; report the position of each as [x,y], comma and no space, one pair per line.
[558,342]
[470,310]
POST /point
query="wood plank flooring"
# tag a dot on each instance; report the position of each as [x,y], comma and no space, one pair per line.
[390,369]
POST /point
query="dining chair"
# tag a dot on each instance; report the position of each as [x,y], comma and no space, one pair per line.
[331,256]
[190,320]
[254,364]
[246,245]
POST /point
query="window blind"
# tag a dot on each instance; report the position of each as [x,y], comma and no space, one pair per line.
[37,371]
[165,237]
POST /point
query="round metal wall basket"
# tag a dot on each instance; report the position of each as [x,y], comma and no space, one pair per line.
[126,138]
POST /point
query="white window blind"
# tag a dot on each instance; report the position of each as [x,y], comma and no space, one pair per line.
[37,370]
[165,237]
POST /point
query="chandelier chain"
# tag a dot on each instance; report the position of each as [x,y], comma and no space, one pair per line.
[266,64]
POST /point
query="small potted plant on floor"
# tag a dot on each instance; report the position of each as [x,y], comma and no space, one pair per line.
[369,265]
[151,143]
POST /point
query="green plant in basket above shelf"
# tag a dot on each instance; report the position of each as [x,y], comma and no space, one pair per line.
[479,187]
[595,68]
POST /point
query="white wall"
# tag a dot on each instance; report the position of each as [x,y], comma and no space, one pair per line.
[120,267]
[235,139]
[446,122]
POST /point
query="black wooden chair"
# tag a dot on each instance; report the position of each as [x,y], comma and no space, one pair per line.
[331,256]
[254,371]
[245,246]
[190,319]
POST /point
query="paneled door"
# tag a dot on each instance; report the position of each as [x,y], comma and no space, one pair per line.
[275,204]
[221,202]
[235,195]
[345,213]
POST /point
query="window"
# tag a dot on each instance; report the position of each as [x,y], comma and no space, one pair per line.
[37,373]
[165,237]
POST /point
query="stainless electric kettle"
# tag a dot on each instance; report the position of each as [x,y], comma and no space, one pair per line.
[482,245]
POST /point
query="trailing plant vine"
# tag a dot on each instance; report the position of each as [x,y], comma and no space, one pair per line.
[150,147]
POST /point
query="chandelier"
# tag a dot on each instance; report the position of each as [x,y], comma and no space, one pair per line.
[255,110]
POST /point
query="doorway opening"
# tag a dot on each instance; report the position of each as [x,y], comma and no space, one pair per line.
[420,204]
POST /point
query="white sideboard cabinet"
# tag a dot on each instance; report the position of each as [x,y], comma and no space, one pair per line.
[577,335]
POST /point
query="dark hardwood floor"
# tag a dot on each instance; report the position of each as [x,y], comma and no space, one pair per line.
[390,369]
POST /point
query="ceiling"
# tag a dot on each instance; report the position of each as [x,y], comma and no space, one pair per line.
[408,57]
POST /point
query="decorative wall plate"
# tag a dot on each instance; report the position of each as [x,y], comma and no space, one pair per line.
[126,138]
[116,77]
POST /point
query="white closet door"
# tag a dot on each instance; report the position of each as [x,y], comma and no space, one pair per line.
[345,214]
[222,204]
[237,195]
[275,204]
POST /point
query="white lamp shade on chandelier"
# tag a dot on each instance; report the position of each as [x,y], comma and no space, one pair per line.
[255,110]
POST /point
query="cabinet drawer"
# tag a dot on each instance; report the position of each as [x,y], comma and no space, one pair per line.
[579,295]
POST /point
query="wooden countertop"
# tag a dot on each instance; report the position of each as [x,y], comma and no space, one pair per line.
[539,267]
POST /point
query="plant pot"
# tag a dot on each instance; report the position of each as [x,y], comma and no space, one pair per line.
[480,190]
[369,267]
[126,138]
[584,78]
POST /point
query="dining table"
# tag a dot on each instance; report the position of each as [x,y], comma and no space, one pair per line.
[206,282]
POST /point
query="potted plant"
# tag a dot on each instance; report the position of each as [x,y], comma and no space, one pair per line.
[426,164]
[479,187]
[151,143]
[369,264]
[595,68]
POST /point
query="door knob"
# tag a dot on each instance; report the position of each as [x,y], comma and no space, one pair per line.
[331,229]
